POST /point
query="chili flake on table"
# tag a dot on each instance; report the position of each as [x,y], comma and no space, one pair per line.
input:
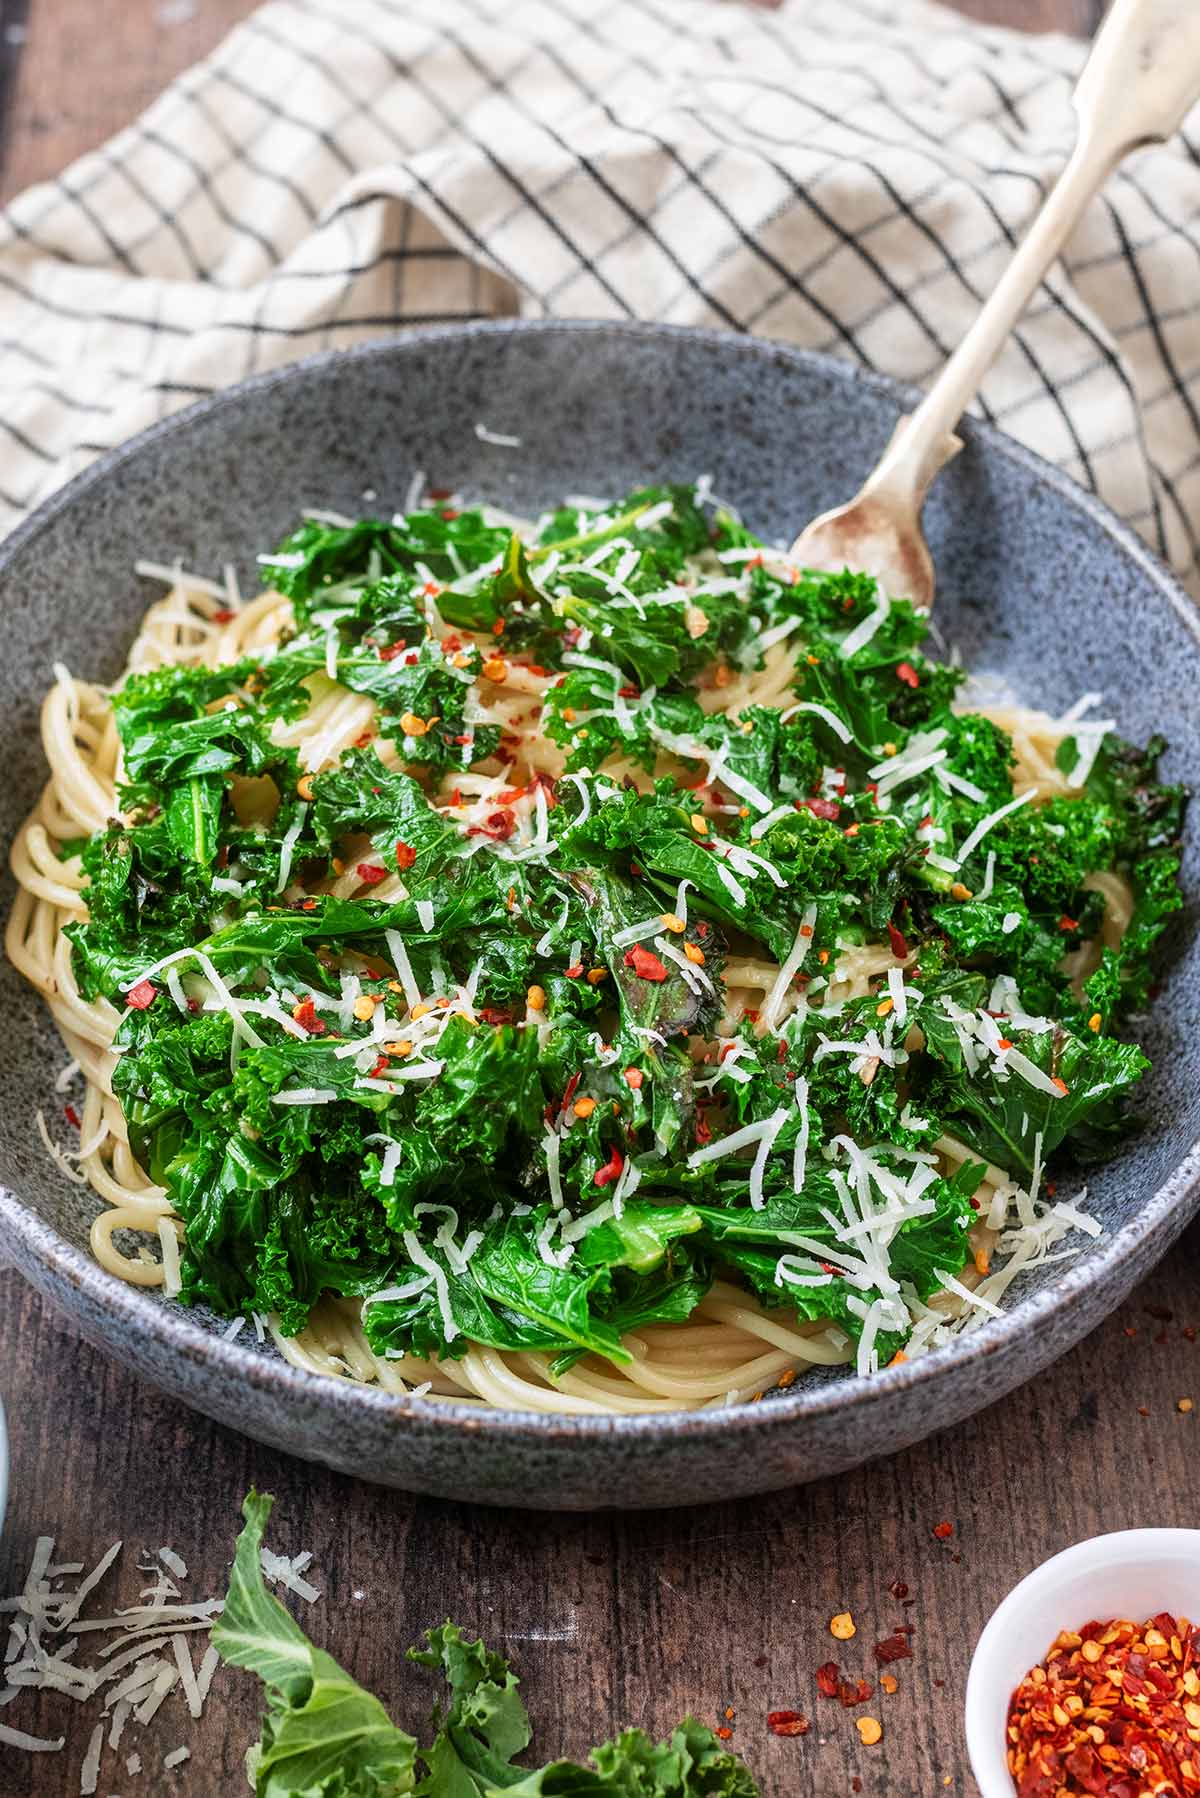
[1114,1709]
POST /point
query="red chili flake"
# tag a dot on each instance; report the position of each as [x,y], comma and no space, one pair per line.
[820,808]
[574,971]
[645,965]
[380,1065]
[193,1006]
[723,1731]
[898,1590]
[1065,923]
[828,1679]
[787,1723]
[858,1693]
[449,512]
[571,1089]
[389,651]
[629,693]
[895,1647]
[491,1015]
[604,1176]
[224,616]
[412,658]
[140,996]
[499,825]
[908,674]
[1106,1712]
[465,741]
[943,1531]
[439,492]
[781,1051]
[406,855]
[370,874]
[71,1115]
[898,941]
[305,1015]
[703,1130]
[827,1267]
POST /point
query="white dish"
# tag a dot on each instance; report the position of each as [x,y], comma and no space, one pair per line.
[1134,1573]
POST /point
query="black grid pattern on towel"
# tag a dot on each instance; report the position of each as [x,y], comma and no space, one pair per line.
[850,175]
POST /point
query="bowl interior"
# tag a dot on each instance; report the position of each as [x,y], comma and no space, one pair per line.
[1036,585]
[1134,1574]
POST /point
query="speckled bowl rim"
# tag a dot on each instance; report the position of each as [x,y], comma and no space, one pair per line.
[170,1327]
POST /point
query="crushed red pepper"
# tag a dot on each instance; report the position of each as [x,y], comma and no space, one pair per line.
[604,1176]
[828,1679]
[787,1723]
[895,1647]
[645,965]
[1114,1709]
[899,944]
[305,1015]
[854,1692]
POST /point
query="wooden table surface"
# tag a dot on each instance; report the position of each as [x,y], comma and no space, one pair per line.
[611,1620]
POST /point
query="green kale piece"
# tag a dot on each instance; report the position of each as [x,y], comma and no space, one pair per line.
[1002,1119]
[323,1736]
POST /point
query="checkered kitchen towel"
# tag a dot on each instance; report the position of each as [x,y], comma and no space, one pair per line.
[844,174]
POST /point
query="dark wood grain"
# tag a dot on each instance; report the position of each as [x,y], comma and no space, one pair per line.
[616,1620]
[611,1620]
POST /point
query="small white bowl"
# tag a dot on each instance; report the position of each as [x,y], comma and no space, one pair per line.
[1134,1573]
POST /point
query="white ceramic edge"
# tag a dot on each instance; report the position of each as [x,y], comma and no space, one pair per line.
[1068,1590]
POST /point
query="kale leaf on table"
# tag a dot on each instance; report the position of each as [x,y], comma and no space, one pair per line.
[325,1736]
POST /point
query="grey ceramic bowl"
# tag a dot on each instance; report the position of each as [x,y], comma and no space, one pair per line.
[1037,581]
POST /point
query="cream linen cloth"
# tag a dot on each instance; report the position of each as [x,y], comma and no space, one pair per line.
[845,174]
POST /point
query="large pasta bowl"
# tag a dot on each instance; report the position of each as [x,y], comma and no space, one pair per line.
[1037,583]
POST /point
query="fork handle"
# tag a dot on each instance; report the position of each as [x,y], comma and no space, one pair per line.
[1137,86]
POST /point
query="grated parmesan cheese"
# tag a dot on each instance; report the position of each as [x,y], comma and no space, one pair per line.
[835,724]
